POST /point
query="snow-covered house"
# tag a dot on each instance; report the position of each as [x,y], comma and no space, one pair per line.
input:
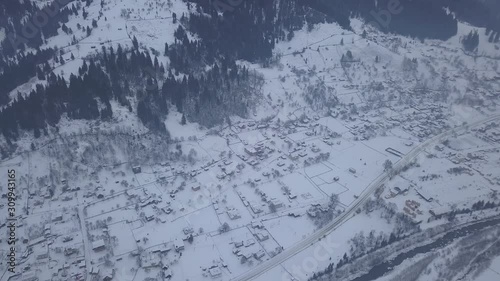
[178,245]
[98,245]
[215,272]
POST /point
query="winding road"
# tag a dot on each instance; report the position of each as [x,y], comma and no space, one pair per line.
[367,193]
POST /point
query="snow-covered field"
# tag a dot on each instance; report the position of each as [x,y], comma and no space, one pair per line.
[220,201]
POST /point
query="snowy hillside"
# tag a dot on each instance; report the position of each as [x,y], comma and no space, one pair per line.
[247,140]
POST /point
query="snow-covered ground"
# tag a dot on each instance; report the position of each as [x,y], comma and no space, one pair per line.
[219,201]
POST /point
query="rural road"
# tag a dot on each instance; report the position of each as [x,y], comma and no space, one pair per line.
[86,242]
[367,193]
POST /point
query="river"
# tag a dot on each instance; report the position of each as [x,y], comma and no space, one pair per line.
[387,266]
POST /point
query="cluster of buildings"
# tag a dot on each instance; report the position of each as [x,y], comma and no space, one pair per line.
[411,208]
[490,132]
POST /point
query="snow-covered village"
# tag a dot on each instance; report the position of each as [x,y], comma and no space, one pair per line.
[138,148]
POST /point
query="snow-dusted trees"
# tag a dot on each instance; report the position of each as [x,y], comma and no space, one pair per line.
[471,41]
[409,65]
[320,96]
[224,228]
[388,165]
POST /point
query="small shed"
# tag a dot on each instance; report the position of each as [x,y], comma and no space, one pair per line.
[98,245]
[136,169]
[178,245]
[215,272]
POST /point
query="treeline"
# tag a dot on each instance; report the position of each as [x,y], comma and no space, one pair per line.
[470,41]
[244,33]
[83,97]
[480,13]
[422,19]
[14,74]
[251,30]
[419,19]
[211,97]
[478,206]
[137,81]
[339,10]
[27,25]
[86,95]
[128,77]
[361,250]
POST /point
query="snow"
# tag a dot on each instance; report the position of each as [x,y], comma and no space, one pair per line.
[207,154]
[335,244]
[491,273]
